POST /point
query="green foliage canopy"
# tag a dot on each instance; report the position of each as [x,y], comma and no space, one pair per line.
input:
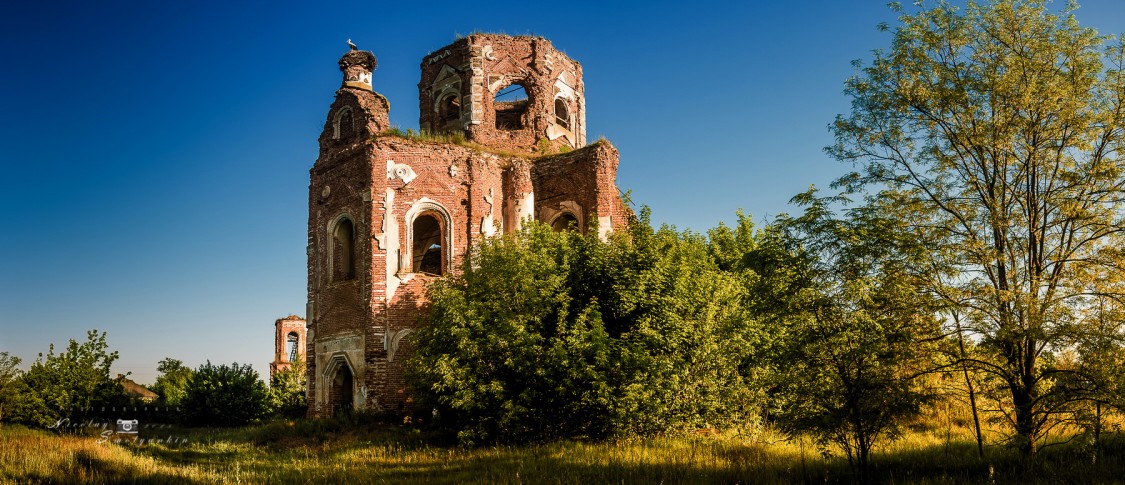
[224,395]
[1001,126]
[288,395]
[858,328]
[557,334]
[172,382]
[77,378]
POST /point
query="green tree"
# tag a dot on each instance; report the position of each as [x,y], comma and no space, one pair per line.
[289,390]
[557,334]
[224,395]
[74,380]
[172,382]
[13,391]
[857,330]
[1001,125]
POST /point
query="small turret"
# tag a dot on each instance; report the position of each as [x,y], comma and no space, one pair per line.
[357,67]
[358,112]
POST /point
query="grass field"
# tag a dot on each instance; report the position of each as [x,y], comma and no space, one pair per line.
[362,450]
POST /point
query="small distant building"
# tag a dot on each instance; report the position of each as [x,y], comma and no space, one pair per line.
[289,343]
[136,391]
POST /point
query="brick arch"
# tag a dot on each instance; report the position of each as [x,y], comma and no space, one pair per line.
[333,251]
[341,378]
[341,130]
[426,205]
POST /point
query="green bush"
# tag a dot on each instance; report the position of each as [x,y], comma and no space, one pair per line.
[224,395]
[69,383]
[548,335]
[172,382]
[288,391]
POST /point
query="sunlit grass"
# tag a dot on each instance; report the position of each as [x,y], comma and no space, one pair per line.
[361,450]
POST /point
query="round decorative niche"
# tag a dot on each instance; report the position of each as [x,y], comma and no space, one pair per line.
[326,192]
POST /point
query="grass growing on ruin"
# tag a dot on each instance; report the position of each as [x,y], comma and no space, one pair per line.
[458,138]
[359,449]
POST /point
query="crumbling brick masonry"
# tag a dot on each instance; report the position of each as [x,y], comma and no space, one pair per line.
[389,213]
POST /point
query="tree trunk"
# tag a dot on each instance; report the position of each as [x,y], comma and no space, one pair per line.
[972,394]
[1022,398]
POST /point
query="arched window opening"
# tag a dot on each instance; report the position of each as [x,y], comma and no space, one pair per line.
[343,251]
[449,109]
[510,104]
[564,222]
[426,248]
[291,346]
[345,124]
[562,114]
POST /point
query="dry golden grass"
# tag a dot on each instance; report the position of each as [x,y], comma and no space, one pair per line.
[361,450]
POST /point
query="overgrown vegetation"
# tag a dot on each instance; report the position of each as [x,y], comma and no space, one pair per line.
[543,147]
[979,267]
[288,387]
[357,449]
[998,130]
[59,384]
[171,385]
[225,395]
[548,335]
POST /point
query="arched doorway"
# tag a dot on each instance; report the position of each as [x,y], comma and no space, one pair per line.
[340,393]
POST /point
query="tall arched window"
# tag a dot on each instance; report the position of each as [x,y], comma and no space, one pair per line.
[342,256]
[426,249]
[562,114]
[291,346]
[345,124]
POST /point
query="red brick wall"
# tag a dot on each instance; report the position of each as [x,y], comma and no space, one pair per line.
[384,301]
[282,328]
[488,64]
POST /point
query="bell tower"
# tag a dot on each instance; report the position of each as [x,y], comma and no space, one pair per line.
[512,93]
[340,256]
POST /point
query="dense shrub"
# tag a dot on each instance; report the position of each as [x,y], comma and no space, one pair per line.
[289,391]
[558,334]
[224,395]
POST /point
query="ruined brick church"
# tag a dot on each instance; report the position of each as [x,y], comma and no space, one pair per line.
[388,213]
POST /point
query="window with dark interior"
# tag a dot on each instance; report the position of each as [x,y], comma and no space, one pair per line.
[343,251]
[449,109]
[564,222]
[426,247]
[345,125]
[562,115]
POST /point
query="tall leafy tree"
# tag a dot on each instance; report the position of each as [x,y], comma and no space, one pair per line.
[12,388]
[78,378]
[171,384]
[1001,125]
[856,332]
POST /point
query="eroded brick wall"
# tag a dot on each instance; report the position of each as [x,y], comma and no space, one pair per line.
[485,65]
[382,183]
[282,328]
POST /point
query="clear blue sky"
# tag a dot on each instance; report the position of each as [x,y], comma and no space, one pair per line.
[155,155]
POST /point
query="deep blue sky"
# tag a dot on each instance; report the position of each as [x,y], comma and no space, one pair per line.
[155,155]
